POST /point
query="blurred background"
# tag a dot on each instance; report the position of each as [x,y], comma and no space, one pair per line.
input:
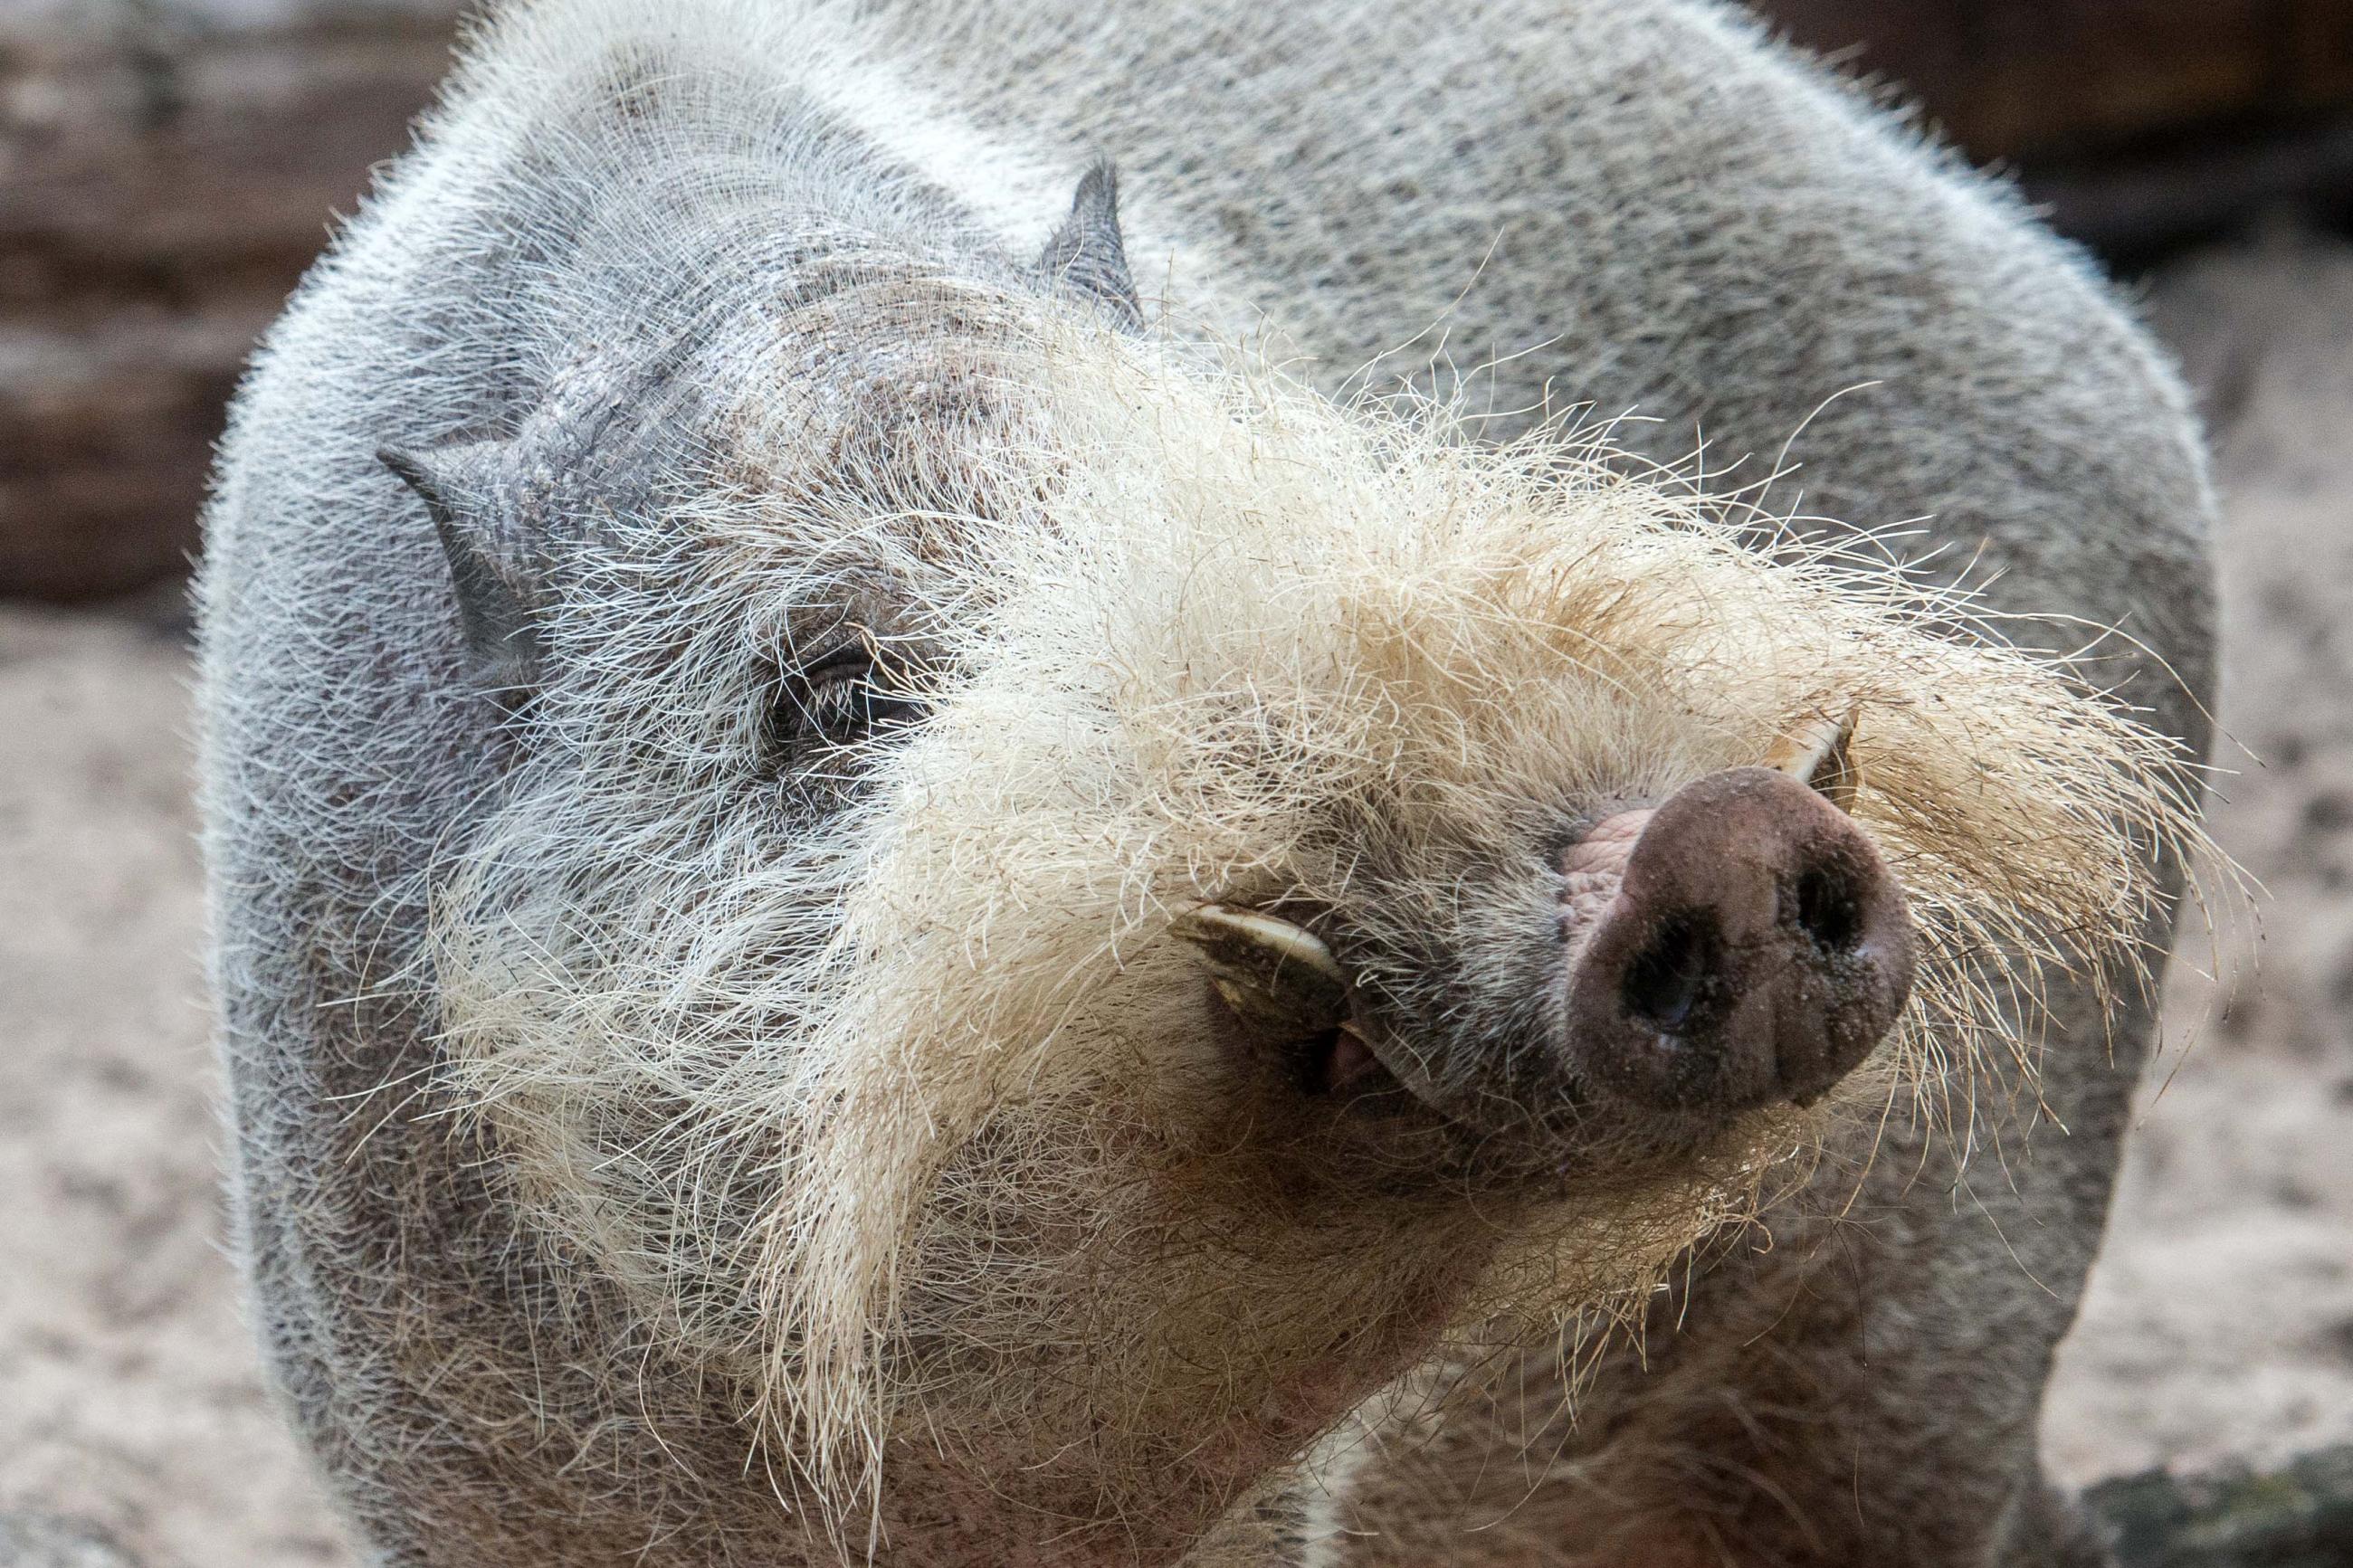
[168,167]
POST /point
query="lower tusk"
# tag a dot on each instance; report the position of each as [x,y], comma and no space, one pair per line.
[1277,975]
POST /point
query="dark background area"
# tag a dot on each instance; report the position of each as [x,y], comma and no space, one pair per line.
[168,167]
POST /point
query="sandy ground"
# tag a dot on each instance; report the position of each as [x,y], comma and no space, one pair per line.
[2219,1324]
[128,1394]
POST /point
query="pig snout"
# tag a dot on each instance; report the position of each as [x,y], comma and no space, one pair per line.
[1740,944]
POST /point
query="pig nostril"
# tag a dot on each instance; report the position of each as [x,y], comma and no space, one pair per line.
[1829,911]
[1755,950]
[1664,982]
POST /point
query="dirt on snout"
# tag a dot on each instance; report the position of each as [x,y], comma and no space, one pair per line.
[2219,1323]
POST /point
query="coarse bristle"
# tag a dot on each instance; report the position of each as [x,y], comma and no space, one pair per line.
[875,1116]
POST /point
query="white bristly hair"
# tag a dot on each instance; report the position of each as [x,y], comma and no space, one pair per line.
[880,1113]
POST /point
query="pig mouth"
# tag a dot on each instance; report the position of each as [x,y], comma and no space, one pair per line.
[1282,985]
[1739,945]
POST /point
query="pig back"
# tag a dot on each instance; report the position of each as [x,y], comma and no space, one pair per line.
[1642,210]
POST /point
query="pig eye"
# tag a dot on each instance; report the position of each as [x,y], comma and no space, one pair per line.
[839,700]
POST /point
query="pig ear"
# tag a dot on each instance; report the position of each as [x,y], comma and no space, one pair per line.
[1087,255]
[495,572]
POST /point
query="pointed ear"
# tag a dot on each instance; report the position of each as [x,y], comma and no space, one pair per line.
[1087,255]
[495,572]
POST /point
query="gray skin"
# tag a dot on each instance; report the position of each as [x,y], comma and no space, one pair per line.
[1645,206]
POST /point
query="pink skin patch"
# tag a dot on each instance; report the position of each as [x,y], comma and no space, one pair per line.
[1594,867]
[1349,1061]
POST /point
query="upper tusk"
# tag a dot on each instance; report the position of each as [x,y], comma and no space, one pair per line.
[1820,753]
[1275,973]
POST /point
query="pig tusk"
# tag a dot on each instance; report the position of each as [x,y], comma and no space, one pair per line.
[1820,753]
[1277,976]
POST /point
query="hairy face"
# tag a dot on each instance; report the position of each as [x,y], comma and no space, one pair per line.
[824,968]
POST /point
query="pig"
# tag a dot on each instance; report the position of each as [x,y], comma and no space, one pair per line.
[925,848]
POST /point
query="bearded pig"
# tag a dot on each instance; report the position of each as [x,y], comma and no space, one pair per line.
[909,868]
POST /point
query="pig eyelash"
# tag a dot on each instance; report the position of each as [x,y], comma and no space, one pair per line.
[835,702]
